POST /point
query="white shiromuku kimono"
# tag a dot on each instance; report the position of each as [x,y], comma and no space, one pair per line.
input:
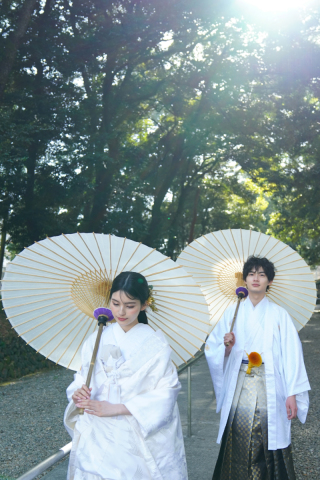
[134,369]
[268,330]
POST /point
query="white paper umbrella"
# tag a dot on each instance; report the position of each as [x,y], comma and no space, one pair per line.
[51,289]
[216,261]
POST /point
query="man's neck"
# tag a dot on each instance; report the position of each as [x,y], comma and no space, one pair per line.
[256,298]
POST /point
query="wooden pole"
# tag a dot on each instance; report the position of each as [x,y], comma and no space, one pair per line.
[235,314]
[240,297]
[102,321]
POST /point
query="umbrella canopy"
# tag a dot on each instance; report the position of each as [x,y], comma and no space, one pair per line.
[216,261]
[51,289]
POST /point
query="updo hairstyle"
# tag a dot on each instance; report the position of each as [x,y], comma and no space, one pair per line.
[135,286]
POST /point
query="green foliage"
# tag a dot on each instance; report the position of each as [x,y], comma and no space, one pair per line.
[160,121]
[16,358]
[290,172]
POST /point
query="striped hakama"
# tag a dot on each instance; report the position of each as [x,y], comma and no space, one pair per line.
[244,453]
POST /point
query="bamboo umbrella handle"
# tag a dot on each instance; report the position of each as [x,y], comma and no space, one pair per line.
[102,321]
[242,293]
[234,317]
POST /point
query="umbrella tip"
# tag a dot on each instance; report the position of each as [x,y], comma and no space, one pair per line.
[241,292]
[103,312]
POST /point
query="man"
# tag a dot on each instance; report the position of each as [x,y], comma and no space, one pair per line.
[257,407]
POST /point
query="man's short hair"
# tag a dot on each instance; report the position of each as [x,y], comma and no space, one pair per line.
[254,263]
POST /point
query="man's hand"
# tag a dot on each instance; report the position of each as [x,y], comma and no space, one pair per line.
[103,408]
[230,339]
[291,406]
[82,393]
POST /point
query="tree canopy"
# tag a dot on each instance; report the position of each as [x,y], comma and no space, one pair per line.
[159,121]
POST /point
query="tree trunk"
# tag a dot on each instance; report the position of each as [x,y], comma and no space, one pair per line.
[195,214]
[171,166]
[174,228]
[30,215]
[13,42]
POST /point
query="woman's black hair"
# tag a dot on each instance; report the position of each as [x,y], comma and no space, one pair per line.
[135,286]
[254,263]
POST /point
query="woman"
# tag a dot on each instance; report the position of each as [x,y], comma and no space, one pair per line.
[131,427]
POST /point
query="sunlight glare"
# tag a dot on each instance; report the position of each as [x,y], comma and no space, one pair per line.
[277,5]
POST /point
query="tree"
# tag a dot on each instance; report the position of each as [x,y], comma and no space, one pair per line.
[15,17]
[34,111]
[283,155]
[128,117]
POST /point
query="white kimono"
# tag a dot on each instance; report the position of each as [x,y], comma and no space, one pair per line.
[134,369]
[273,335]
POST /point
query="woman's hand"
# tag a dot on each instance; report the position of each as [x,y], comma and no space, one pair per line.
[229,340]
[82,393]
[291,406]
[103,408]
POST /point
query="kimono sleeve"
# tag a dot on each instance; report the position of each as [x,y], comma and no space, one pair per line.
[71,413]
[81,376]
[294,369]
[215,355]
[153,408]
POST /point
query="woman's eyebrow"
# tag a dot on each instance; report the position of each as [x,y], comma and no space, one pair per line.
[132,302]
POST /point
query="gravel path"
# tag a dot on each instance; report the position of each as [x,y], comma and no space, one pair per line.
[31,425]
[31,412]
[305,438]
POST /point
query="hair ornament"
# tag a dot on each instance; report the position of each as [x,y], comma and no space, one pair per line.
[150,302]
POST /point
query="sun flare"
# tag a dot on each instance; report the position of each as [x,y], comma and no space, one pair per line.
[277,5]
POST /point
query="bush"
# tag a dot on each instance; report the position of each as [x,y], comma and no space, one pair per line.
[16,358]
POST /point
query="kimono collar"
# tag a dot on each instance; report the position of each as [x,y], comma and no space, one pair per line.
[130,341]
[249,324]
[118,332]
[259,307]
[114,338]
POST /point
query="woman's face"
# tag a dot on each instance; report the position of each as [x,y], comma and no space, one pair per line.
[125,310]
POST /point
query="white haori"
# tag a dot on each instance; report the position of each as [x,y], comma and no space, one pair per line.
[134,369]
[268,330]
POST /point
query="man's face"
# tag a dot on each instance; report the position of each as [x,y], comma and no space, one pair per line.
[257,281]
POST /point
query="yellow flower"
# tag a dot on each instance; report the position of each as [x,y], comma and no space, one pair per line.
[255,360]
[151,301]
